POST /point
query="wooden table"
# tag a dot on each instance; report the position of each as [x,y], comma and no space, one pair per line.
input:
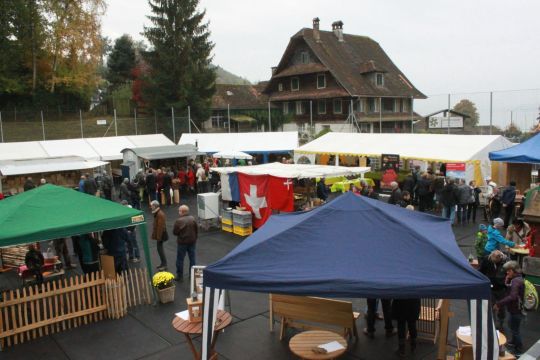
[301,344]
[520,253]
[467,340]
[190,329]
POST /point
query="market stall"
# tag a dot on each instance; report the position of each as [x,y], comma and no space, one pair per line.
[470,150]
[62,170]
[366,258]
[522,162]
[269,146]
[269,188]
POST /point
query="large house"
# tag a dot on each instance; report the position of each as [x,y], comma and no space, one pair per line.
[328,79]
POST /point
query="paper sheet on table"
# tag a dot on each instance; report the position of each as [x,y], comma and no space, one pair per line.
[464,330]
[184,315]
[331,346]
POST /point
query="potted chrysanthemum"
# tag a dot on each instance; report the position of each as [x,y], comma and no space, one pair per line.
[163,281]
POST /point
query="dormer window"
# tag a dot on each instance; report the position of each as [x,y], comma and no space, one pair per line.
[304,57]
[280,87]
[295,84]
[379,79]
[321,81]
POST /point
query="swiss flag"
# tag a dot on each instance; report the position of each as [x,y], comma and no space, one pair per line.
[261,194]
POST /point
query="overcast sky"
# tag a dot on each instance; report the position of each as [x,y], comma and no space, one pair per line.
[443,46]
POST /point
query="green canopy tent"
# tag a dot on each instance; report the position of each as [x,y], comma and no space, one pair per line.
[51,212]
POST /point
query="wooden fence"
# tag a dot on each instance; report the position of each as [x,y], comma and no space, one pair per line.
[35,311]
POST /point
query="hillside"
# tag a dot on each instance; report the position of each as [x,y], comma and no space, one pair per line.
[225,77]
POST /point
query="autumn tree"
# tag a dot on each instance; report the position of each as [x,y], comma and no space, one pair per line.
[180,73]
[467,107]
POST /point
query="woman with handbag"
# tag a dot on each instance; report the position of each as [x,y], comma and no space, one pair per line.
[159,232]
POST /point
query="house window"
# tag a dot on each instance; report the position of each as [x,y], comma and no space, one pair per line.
[217,121]
[337,106]
[397,105]
[299,108]
[406,105]
[280,87]
[321,106]
[321,81]
[379,79]
[285,108]
[304,57]
[295,84]
[388,105]
[360,105]
[373,104]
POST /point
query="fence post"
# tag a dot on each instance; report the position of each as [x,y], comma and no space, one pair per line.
[115,124]
[491,113]
[155,121]
[173,130]
[80,117]
[42,125]
[1,127]
[135,114]
[189,118]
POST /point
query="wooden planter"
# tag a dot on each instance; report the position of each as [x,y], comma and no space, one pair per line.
[166,295]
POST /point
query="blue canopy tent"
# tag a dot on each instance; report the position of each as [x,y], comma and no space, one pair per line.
[526,152]
[354,247]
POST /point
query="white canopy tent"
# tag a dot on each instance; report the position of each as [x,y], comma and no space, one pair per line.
[232,154]
[294,171]
[251,142]
[53,164]
[470,149]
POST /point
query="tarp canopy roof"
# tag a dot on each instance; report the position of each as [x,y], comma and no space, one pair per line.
[526,152]
[429,147]
[45,165]
[294,171]
[251,142]
[351,247]
[51,212]
[103,148]
[232,154]
[165,152]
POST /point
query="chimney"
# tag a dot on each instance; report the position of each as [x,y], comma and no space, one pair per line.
[274,68]
[316,34]
[337,28]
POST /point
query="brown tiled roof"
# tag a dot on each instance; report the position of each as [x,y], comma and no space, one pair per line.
[301,69]
[306,95]
[349,62]
[238,97]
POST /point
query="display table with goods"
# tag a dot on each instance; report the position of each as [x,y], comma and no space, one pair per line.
[318,345]
[343,185]
[190,329]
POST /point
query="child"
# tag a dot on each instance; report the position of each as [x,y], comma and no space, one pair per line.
[480,243]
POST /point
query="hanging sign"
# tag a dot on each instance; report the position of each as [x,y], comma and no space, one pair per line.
[389,170]
[455,170]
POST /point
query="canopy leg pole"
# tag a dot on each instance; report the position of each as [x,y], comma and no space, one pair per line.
[210,305]
[484,336]
[146,248]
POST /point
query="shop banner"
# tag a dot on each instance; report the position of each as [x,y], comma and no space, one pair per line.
[389,171]
[456,170]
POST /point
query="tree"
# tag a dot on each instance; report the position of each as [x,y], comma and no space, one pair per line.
[180,71]
[512,132]
[467,107]
[121,62]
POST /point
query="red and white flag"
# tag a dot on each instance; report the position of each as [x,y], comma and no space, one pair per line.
[263,194]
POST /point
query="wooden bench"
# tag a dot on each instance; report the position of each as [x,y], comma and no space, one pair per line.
[309,313]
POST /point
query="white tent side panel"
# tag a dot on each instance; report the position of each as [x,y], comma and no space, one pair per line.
[69,147]
[22,150]
[247,142]
[110,148]
[149,140]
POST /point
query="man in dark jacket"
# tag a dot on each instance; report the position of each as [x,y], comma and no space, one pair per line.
[322,191]
[464,193]
[514,304]
[395,196]
[106,185]
[186,231]
[507,199]
[34,261]
[115,242]
[449,200]
[90,186]
[28,184]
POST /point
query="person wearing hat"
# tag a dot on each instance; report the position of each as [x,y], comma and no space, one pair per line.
[495,238]
[513,303]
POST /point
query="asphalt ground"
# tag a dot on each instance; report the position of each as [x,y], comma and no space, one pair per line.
[146,332]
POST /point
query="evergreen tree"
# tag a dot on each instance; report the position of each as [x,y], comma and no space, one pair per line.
[180,59]
[121,61]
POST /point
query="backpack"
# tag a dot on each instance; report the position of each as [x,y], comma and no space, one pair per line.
[530,296]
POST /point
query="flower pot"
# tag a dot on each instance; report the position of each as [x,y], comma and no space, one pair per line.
[166,295]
